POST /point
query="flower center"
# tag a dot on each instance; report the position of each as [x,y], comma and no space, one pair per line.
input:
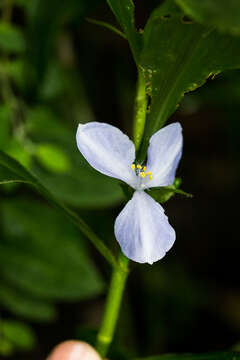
[141,171]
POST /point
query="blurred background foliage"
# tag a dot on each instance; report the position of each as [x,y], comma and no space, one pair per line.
[56,70]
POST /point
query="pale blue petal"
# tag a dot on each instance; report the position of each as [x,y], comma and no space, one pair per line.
[164,154]
[107,150]
[142,229]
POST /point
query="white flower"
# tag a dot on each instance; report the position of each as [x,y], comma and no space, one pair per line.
[142,229]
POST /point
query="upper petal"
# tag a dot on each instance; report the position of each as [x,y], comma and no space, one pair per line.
[142,229]
[107,150]
[164,153]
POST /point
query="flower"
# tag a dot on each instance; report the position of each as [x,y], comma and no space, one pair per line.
[142,229]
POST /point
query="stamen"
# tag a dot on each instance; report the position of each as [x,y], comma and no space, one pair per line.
[149,174]
[141,173]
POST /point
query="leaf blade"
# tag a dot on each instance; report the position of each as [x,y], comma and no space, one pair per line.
[124,12]
[18,170]
[224,14]
[177,58]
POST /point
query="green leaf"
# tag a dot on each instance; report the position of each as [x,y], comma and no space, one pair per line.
[124,12]
[15,171]
[127,190]
[11,38]
[6,347]
[53,158]
[163,194]
[178,57]
[14,70]
[94,190]
[22,304]
[17,150]
[224,14]
[210,356]
[5,118]
[18,333]
[45,21]
[48,251]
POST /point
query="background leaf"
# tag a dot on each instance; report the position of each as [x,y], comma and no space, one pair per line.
[210,356]
[45,21]
[22,304]
[224,14]
[5,116]
[79,185]
[11,170]
[18,334]
[53,158]
[48,251]
[11,38]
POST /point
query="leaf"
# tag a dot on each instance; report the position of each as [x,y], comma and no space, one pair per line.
[6,348]
[5,118]
[124,12]
[22,304]
[15,171]
[80,186]
[210,356]
[17,150]
[127,190]
[177,58]
[45,21]
[18,333]
[48,251]
[11,38]
[164,193]
[14,70]
[53,158]
[224,14]
[161,195]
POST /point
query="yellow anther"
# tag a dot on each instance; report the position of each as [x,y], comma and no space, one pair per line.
[144,168]
[139,166]
[148,173]
[142,174]
[150,177]
[133,166]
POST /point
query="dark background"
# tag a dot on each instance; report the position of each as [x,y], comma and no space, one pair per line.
[190,300]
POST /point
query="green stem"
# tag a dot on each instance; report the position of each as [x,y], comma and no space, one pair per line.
[120,271]
[112,307]
[140,111]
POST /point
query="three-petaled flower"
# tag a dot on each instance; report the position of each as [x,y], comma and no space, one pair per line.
[142,229]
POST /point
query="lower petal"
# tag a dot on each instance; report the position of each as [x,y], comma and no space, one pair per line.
[142,229]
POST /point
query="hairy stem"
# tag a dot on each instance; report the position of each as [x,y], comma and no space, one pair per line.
[140,111]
